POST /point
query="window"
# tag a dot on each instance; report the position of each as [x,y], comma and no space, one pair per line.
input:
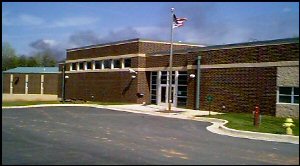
[80,65]
[107,64]
[153,87]
[98,64]
[117,63]
[88,65]
[73,66]
[182,89]
[127,62]
[289,95]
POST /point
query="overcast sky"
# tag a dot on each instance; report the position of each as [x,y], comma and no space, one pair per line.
[29,27]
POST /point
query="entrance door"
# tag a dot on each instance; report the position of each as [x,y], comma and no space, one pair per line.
[164,93]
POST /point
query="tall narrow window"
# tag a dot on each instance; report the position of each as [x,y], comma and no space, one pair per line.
[107,64]
[98,64]
[153,87]
[127,62]
[81,65]
[73,66]
[117,63]
[182,89]
[88,65]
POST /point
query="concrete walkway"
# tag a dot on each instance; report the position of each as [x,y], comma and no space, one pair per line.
[180,113]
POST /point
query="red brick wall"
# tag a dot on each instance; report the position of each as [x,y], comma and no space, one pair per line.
[268,53]
[122,49]
[104,86]
[238,89]
[19,87]
[50,84]
[6,83]
[34,83]
[163,61]
[112,50]
[143,87]
[146,47]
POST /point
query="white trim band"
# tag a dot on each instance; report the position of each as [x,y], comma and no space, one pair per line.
[106,58]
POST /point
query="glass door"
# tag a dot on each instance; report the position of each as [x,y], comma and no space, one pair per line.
[164,94]
[163,89]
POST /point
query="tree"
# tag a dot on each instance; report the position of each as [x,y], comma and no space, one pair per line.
[31,62]
[22,61]
[48,59]
[9,57]
[45,58]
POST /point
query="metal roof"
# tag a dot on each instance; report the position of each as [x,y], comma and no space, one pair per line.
[229,46]
[33,70]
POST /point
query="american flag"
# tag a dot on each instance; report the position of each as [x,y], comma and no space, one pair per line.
[178,22]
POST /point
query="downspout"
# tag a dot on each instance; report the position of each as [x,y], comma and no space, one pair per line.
[198,84]
[63,84]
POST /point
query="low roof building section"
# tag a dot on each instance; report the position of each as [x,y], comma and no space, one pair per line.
[41,70]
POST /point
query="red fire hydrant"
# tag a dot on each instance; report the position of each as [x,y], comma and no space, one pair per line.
[256,116]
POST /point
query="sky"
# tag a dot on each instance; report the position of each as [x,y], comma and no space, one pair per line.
[35,26]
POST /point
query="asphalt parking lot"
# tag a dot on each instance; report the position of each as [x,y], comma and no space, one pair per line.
[85,135]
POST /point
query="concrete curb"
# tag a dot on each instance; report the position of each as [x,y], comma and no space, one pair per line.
[216,127]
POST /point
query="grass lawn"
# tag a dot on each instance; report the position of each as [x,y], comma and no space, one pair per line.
[269,124]
[24,103]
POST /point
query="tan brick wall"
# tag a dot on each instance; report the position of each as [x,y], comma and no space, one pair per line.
[287,110]
[288,76]
[29,97]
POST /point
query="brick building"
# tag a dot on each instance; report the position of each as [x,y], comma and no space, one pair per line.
[30,83]
[237,76]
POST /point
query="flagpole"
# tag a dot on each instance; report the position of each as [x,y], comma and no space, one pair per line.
[170,63]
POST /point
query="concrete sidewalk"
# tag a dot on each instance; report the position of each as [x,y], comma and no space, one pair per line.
[181,113]
[218,126]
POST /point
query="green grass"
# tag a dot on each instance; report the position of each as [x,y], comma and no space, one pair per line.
[25,103]
[269,124]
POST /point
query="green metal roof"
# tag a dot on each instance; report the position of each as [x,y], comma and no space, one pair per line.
[33,70]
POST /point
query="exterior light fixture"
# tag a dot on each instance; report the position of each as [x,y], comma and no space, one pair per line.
[192,75]
[66,76]
[133,72]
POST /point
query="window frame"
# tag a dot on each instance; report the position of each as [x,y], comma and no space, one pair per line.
[292,95]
